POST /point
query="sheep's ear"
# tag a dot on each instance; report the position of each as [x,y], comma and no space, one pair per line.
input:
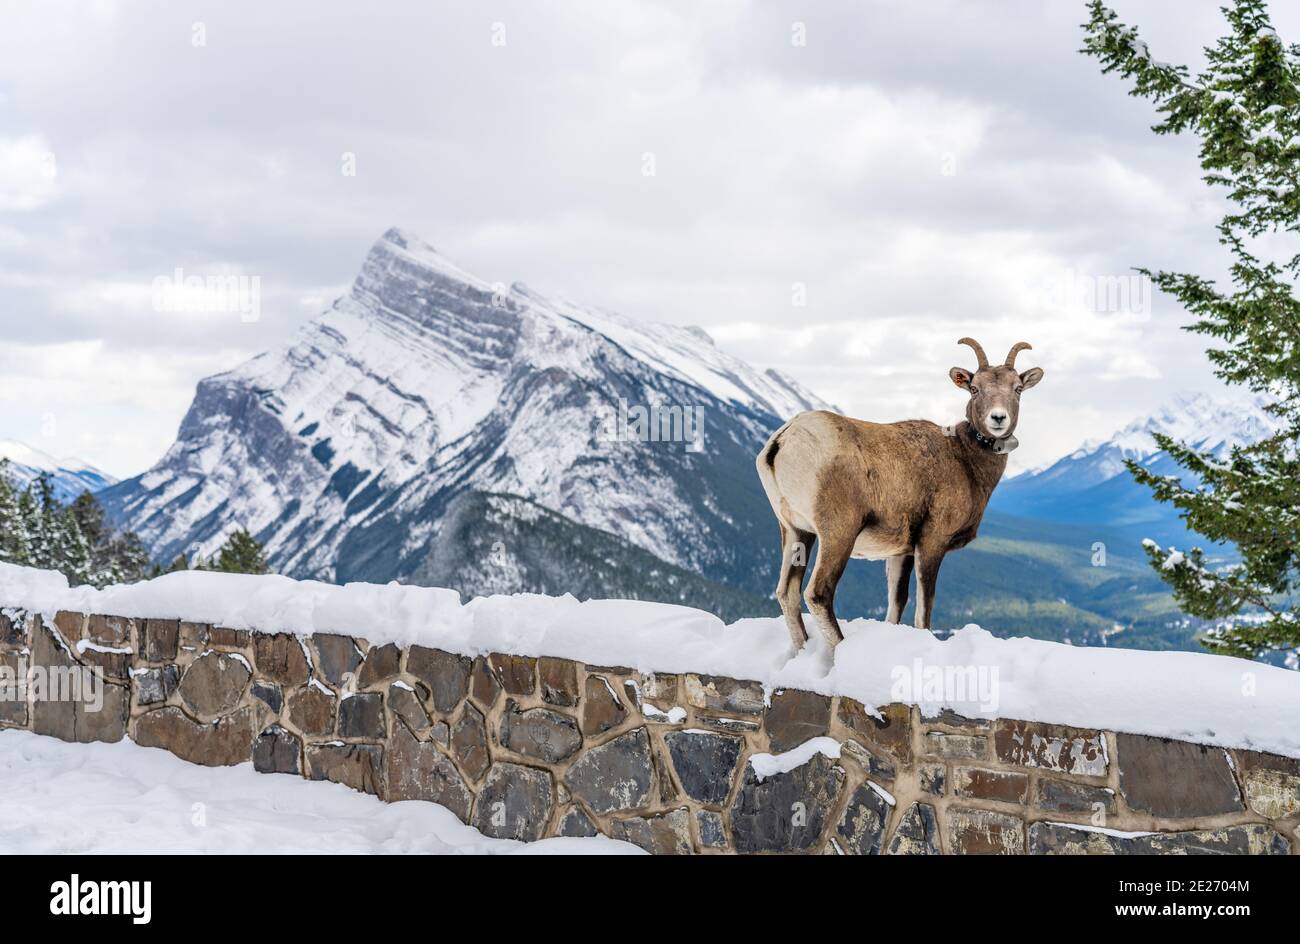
[1031,377]
[962,378]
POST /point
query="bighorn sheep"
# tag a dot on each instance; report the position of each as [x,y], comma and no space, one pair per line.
[907,492]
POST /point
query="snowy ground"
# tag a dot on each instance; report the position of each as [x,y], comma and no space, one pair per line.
[121,798]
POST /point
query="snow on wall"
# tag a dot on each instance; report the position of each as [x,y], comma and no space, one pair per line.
[1202,698]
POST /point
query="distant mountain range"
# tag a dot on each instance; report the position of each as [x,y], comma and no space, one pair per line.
[1091,486]
[433,428]
[68,477]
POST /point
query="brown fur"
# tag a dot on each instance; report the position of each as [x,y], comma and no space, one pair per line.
[908,492]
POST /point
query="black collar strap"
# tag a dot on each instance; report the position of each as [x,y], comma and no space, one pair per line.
[997,446]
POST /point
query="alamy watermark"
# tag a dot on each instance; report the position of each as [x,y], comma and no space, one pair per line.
[238,294]
[63,683]
[654,423]
[960,687]
[79,896]
[1103,294]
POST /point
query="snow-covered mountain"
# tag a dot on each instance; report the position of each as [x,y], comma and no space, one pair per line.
[1092,485]
[343,450]
[68,477]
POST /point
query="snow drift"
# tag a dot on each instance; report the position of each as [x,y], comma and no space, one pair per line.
[1204,698]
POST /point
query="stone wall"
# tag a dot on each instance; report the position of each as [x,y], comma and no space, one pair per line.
[526,748]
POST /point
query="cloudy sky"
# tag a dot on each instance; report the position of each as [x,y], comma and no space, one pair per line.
[912,172]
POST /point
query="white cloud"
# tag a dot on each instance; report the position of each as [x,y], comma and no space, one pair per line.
[117,409]
[922,171]
[28,173]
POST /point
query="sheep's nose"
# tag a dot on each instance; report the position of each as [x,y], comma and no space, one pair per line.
[997,419]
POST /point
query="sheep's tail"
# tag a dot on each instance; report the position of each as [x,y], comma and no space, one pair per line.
[765,463]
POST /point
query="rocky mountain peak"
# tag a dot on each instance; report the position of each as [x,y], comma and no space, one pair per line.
[343,449]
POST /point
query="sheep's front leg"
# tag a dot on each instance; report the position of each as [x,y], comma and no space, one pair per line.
[927,577]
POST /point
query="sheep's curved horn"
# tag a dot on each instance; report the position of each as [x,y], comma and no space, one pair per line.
[979,351]
[1016,349]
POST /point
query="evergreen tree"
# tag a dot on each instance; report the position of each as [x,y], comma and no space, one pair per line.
[114,557]
[90,517]
[73,550]
[15,543]
[37,530]
[123,559]
[181,562]
[47,526]
[1245,109]
[29,518]
[241,554]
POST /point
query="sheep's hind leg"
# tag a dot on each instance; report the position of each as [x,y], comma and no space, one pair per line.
[898,574]
[796,545]
[833,552]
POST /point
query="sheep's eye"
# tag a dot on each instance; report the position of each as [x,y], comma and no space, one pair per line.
[1019,389]
[974,391]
